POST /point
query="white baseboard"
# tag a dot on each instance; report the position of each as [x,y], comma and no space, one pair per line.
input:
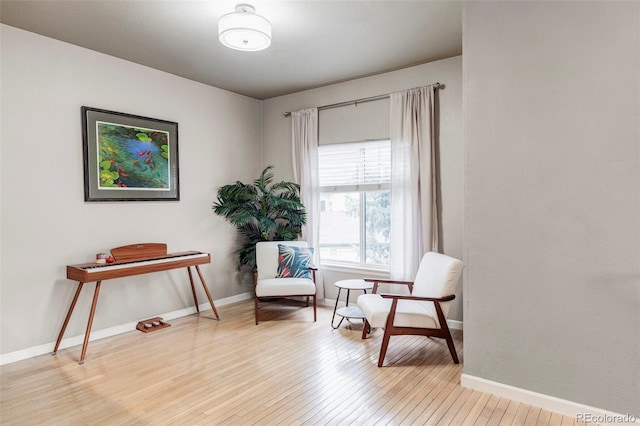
[581,412]
[455,324]
[129,326]
[111,331]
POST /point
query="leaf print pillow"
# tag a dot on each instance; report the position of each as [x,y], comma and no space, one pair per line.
[294,262]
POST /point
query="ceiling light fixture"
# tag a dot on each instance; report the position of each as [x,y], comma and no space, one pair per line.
[244,30]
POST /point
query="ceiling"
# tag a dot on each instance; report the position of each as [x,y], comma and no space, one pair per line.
[315,43]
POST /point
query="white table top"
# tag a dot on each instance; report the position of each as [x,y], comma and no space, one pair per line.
[354,284]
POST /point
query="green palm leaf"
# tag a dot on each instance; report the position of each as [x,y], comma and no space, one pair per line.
[261,211]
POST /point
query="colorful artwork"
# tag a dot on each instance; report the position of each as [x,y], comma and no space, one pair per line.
[129,157]
[132,158]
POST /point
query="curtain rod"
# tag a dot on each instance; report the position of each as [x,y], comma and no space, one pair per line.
[437,85]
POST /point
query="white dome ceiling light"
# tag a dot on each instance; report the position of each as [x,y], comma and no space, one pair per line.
[244,30]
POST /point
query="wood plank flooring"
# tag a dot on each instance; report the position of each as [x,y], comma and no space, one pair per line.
[286,371]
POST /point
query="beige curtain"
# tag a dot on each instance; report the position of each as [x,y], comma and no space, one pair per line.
[414,196]
[305,172]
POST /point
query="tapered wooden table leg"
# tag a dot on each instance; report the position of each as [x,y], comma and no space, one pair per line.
[193,289]
[66,320]
[206,290]
[90,322]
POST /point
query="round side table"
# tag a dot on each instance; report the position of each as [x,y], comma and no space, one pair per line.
[349,311]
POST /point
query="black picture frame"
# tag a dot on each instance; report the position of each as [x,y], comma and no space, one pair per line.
[129,157]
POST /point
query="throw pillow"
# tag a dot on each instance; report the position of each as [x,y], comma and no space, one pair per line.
[294,262]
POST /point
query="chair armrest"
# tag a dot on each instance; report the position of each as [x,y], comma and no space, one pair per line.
[424,299]
[377,281]
[436,303]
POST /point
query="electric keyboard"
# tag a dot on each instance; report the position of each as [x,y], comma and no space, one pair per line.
[134,259]
[90,272]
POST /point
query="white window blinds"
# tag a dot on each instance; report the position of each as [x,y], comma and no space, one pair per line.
[355,166]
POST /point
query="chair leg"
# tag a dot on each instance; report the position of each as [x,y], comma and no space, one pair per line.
[307,302]
[255,298]
[383,348]
[315,315]
[365,327]
[452,348]
[447,333]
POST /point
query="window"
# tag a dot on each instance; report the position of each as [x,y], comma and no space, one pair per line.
[354,202]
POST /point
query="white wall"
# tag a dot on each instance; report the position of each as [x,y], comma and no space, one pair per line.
[45,222]
[552,135]
[277,140]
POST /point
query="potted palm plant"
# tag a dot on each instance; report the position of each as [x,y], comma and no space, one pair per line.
[261,211]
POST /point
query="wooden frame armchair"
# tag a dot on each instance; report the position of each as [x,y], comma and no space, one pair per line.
[422,312]
[267,282]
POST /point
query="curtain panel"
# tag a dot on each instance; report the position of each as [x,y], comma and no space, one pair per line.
[414,202]
[305,172]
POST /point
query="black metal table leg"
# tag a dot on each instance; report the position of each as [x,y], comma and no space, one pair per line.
[335,308]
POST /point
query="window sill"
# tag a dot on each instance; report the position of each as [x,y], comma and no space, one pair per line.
[355,269]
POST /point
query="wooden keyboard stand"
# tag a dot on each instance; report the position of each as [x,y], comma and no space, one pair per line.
[135,259]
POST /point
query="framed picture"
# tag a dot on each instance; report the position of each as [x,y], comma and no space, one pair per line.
[128,157]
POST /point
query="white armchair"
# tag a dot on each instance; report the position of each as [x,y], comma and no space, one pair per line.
[284,269]
[423,311]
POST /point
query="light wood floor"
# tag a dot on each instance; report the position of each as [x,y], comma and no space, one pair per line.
[286,371]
